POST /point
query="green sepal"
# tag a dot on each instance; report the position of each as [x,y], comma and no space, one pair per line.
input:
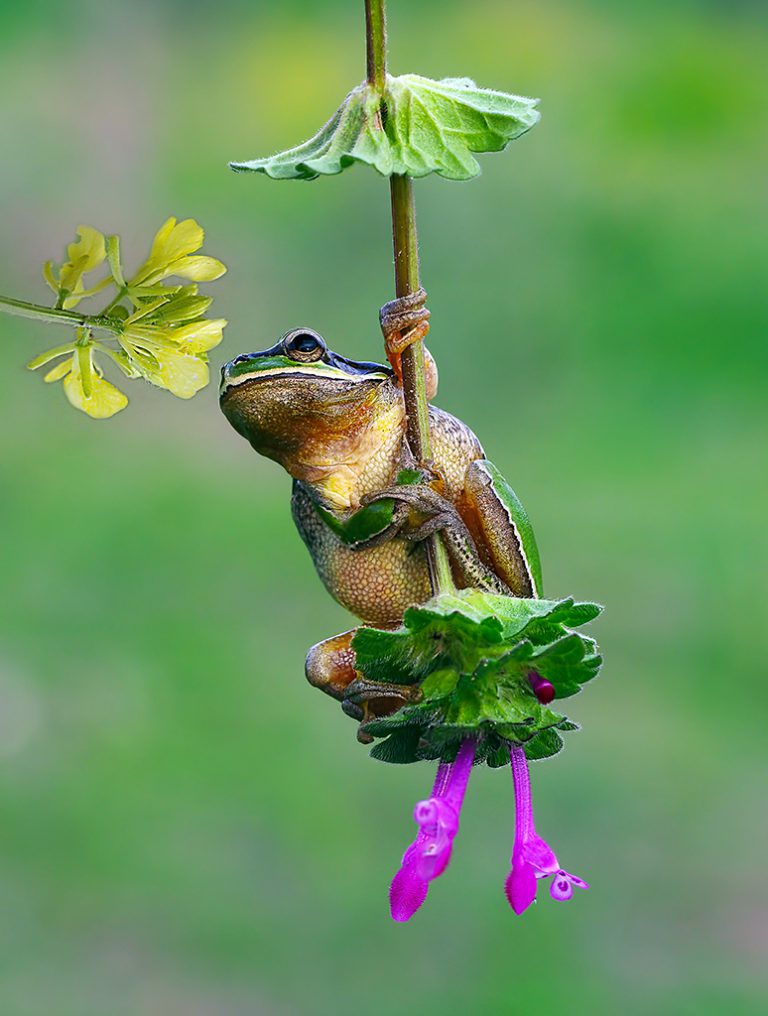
[471,653]
[417,127]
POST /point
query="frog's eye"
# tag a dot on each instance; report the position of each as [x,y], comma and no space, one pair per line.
[304,345]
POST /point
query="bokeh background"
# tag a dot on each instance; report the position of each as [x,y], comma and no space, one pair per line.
[187,827]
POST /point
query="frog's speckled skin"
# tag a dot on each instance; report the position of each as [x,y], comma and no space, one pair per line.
[378,583]
[338,427]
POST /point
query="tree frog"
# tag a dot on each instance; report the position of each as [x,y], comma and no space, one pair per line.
[361,503]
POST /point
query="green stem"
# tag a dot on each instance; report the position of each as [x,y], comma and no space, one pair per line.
[376,43]
[50,315]
[406,246]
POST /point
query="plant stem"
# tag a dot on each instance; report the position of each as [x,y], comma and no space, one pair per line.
[376,43]
[39,313]
[406,247]
[50,315]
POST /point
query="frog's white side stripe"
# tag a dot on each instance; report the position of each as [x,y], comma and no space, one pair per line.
[516,532]
[333,373]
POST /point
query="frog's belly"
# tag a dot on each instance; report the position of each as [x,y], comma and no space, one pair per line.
[378,583]
[375,583]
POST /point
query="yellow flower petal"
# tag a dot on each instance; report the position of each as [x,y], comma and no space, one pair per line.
[84,254]
[104,401]
[199,336]
[165,365]
[183,375]
[90,248]
[200,268]
[173,242]
[175,239]
[49,277]
[182,308]
[50,354]
[59,371]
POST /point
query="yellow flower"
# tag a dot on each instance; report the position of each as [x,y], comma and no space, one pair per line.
[171,252]
[152,329]
[86,389]
[182,370]
[85,254]
[84,384]
[199,336]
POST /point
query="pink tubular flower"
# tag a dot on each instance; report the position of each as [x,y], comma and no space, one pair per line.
[438,820]
[532,857]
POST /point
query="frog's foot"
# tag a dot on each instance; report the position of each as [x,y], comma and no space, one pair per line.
[366,700]
[330,664]
[330,667]
[403,322]
[423,511]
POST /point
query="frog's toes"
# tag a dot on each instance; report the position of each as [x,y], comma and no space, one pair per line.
[404,321]
[330,664]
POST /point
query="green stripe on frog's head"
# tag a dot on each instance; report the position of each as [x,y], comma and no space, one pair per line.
[301,353]
[297,399]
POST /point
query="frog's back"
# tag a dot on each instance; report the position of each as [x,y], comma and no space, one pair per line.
[454,446]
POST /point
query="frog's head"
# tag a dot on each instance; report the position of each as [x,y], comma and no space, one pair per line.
[298,399]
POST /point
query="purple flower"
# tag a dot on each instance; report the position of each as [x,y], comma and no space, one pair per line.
[532,857]
[438,821]
[543,689]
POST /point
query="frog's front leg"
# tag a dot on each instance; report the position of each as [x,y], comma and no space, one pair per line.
[404,321]
[422,511]
[330,666]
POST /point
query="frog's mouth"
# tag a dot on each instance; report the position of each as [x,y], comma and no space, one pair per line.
[250,368]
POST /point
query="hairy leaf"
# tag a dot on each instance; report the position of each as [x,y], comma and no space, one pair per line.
[419,126]
[472,653]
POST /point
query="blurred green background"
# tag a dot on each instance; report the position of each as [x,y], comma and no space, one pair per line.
[187,827]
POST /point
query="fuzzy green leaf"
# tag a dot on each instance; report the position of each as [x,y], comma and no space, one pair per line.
[471,654]
[419,126]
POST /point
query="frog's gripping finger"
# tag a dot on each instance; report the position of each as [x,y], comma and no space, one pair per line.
[366,700]
[436,514]
[403,322]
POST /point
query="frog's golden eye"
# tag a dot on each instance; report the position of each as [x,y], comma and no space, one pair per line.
[304,345]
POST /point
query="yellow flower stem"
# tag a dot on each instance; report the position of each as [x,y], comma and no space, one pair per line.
[114,302]
[50,315]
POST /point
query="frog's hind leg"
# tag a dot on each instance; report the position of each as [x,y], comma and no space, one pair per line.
[429,512]
[330,667]
[330,664]
[501,528]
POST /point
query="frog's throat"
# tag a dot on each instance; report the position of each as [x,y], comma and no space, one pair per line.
[351,470]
